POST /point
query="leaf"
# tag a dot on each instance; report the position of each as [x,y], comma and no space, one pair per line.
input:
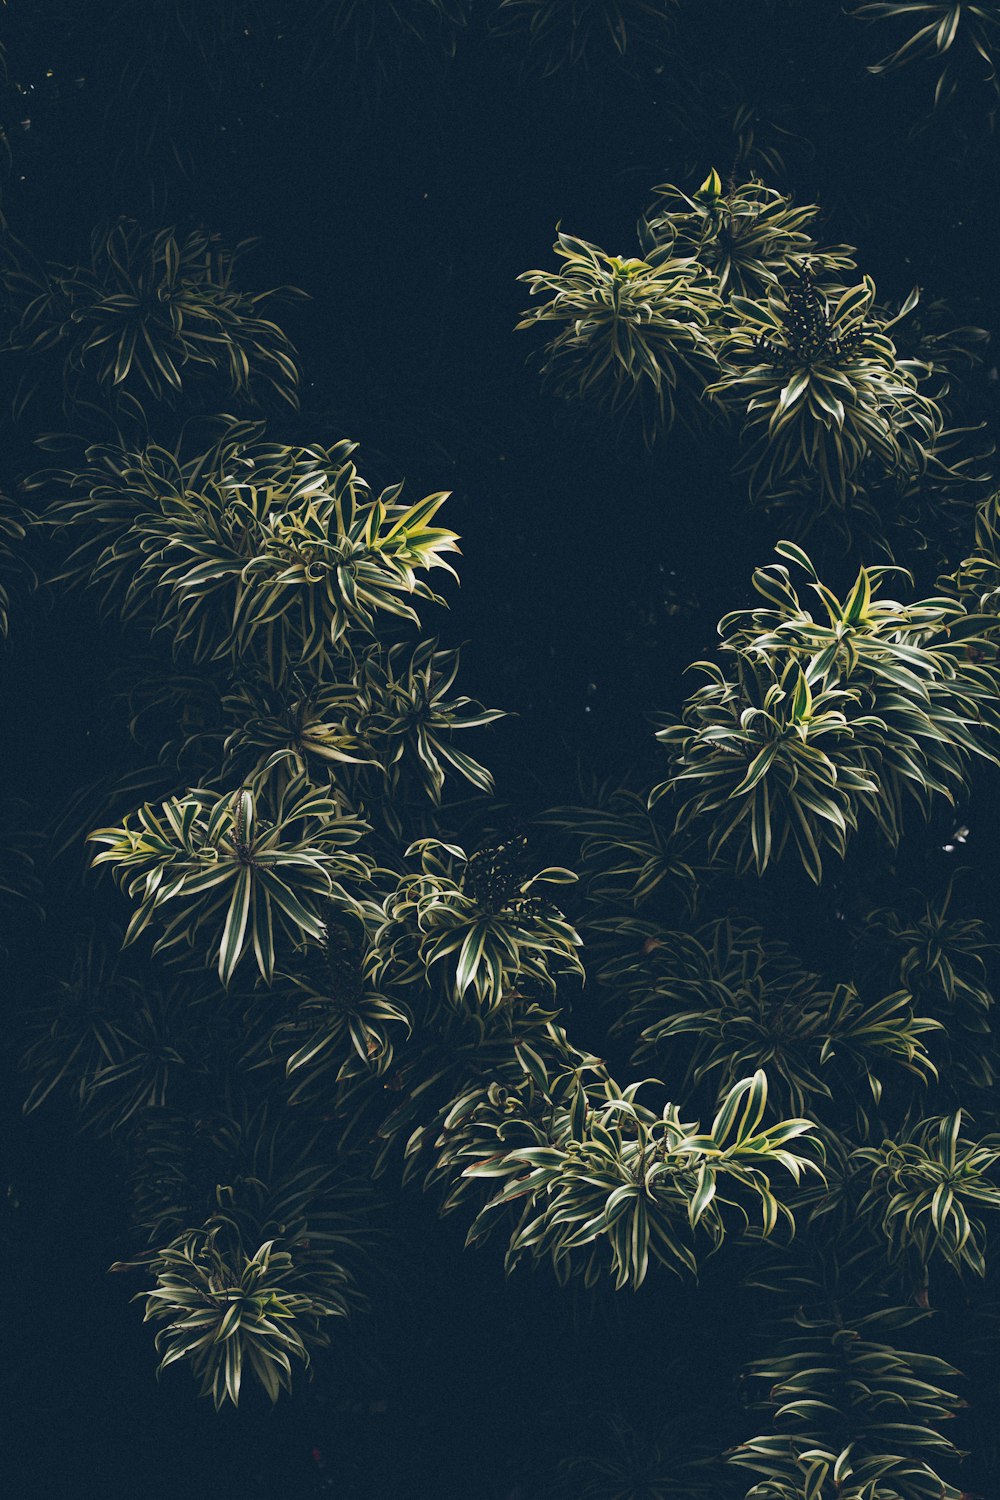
[470,955]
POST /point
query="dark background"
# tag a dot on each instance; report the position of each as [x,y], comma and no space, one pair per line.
[404,192]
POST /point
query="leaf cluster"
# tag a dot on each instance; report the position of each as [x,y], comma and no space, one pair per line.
[948,32]
[238,867]
[853,1415]
[253,1289]
[749,235]
[154,315]
[814,721]
[820,394]
[629,332]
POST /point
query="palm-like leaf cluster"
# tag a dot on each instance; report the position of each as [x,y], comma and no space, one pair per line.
[726,1002]
[750,236]
[736,305]
[253,1289]
[950,33]
[275,572]
[154,315]
[819,392]
[605,1185]
[629,332]
[343,1017]
[924,1185]
[814,721]
[868,1045]
[270,555]
[388,729]
[476,926]
[976,580]
[943,960]
[854,1417]
[240,865]
[131,1050]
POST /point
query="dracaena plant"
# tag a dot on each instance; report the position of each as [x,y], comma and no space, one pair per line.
[567,34]
[627,332]
[816,718]
[342,1016]
[924,331]
[928,1189]
[943,959]
[476,926]
[976,579]
[820,395]
[940,954]
[627,857]
[259,554]
[952,34]
[128,1047]
[252,1290]
[154,315]
[445,1065]
[290,546]
[749,235]
[386,727]
[409,719]
[724,1002]
[316,724]
[604,1185]
[238,869]
[853,1416]
[110,1037]
[227,1307]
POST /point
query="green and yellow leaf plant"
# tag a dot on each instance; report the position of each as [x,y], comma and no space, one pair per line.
[928,1188]
[248,551]
[129,1049]
[155,315]
[852,1416]
[476,924]
[611,1186]
[629,333]
[242,866]
[976,579]
[723,1002]
[387,727]
[819,394]
[944,959]
[251,1291]
[750,236]
[819,719]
